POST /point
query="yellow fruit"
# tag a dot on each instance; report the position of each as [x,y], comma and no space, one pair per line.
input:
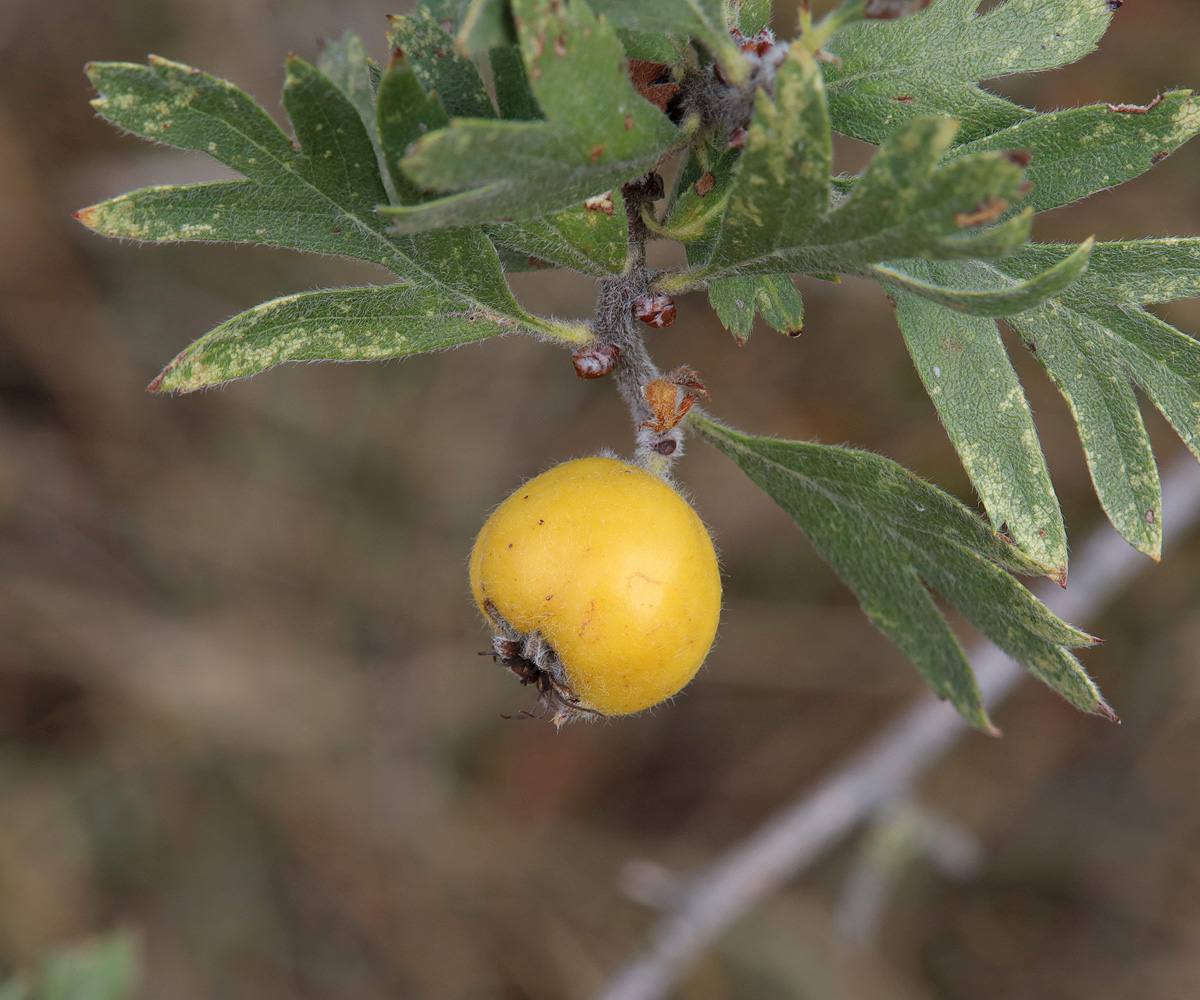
[602,585]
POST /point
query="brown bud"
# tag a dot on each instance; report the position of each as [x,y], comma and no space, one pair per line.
[595,361]
[654,310]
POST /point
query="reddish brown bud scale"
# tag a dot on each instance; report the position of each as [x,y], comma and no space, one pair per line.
[653,81]
[596,361]
[654,310]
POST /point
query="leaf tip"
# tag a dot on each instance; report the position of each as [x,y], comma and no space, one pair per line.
[1103,710]
[1059,576]
[87,216]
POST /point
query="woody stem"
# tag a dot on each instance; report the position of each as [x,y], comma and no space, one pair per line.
[614,324]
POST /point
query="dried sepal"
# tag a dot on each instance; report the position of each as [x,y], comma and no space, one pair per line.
[671,397]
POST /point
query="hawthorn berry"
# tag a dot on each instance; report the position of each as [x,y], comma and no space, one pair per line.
[601,585]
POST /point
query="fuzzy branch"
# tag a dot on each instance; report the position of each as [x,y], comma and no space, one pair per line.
[614,327]
[881,773]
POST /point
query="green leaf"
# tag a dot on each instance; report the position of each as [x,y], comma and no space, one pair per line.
[441,70]
[780,186]
[514,96]
[339,157]
[888,535]
[651,47]
[342,324]
[748,16]
[404,113]
[318,198]
[592,240]
[283,202]
[694,218]
[887,72]
[598,133]
[920,277]
[347,66]
[773,296]
[704,20]
[967,373]
[908,203]
[1094,336]
[1080,151]
[1138,272]
[1106,412]
[484,25]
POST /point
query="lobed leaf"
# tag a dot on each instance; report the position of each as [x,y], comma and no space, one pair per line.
[343,324]
[889,535]
[404,112]
[919,277]
[441,70]
[1081,151]
[966,371]
[320,197]
[772,296]
[887,72]
[598,131]
[908,203]
[592,238]
[779,190]
[1092,338]
[346,64]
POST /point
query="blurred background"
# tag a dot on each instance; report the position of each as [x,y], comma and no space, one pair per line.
[242,710]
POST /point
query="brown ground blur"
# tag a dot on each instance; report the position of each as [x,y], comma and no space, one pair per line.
[241,709]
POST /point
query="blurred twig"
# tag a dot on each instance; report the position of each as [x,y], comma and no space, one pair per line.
[882,772]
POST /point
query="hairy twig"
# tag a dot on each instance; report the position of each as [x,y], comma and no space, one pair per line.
[657,449]
[882,772]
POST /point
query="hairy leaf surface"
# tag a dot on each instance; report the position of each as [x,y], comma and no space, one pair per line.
[1093,338]
[772,296]
[908,203]
[320,197]
[931,62]
[890,535]
[342,324]
[967,373]
[598,133]
[1081,151]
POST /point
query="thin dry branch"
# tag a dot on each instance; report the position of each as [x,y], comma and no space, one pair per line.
[883,771]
